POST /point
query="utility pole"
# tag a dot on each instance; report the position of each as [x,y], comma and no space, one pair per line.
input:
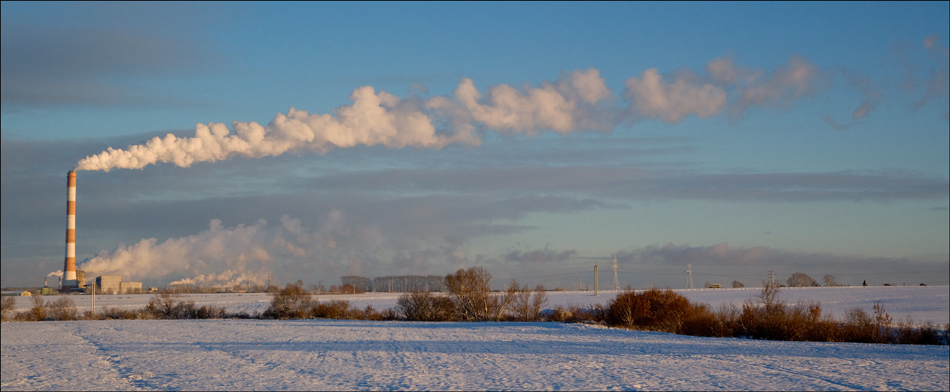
[689,276]
[616,281]
[771,278]
[595,280]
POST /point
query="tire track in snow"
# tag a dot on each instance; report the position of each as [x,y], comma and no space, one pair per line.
[28,352]
[122,380]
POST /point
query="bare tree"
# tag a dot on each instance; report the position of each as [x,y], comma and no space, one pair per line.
[830,280]
[6,306]
[525,306]
[799,279]
[291,302]
[470,290]
[769,299]
[737,284]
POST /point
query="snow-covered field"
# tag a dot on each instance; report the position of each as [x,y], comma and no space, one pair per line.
[357,355]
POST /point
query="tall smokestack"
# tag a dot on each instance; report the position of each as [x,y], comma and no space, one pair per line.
[69,270]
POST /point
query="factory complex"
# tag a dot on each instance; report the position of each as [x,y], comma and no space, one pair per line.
[73,280]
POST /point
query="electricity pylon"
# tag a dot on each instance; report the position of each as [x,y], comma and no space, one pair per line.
[689,276]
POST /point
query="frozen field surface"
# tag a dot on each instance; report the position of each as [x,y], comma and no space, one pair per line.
[929,303]
[362,355]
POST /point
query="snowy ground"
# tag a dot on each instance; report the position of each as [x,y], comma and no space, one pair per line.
[359,355]
[362,355]
[930,303]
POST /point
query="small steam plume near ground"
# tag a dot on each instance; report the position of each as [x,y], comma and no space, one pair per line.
[578,101]
[227,278]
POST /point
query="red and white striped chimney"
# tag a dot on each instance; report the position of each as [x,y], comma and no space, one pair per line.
[69,270]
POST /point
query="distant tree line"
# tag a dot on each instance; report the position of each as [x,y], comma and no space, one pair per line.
[395,284]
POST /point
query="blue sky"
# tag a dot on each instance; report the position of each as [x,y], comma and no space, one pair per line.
[786,137]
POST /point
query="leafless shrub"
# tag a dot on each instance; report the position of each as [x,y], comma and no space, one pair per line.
[123,314]
[727,317]
[290,302]
[859,326]
[370,313]
[388,315]
[908,332]
[39,310]
[737,284]
[6,306]
[526,305]
[165,306]
[210,312]
[425,306]
[698,320]
[559,314]
[63,309]
[863,327]
[335,309]
[767,316]
[653,310]
[761,316]
[575,313]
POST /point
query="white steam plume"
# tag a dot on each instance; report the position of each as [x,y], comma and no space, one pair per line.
[374,119]
[243,252]
[577,101]
[58,274]
[217,249]
[227,278]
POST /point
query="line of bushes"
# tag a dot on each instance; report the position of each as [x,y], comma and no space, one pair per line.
[766,316]
[163,306]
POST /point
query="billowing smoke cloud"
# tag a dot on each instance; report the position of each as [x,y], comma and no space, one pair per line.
[240,248]
[577,101]
[243,253]
[378,119]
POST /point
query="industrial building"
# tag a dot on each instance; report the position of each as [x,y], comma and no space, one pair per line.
[130,287]
[108,283]
[113,284]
